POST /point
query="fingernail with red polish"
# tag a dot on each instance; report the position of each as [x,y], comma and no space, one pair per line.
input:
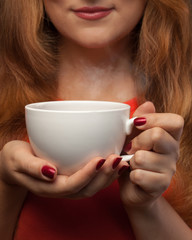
[116,162]
[123,169]
[48,172]
[100,164]
[128,147]
[140,121]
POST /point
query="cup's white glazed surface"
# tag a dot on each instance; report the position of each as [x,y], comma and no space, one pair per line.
[70,133]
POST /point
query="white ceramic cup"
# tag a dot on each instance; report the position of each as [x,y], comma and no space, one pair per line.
[70,133]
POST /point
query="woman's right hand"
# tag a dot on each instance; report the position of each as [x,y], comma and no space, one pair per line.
[19,166]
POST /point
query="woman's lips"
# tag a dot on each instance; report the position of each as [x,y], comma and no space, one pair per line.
[92,13]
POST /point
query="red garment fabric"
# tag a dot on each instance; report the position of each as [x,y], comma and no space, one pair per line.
[99,217]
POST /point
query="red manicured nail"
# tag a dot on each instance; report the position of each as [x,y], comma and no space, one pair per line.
[123,169]
[128,147]
[48,172]
[100,164]
[139,121]
[116,162]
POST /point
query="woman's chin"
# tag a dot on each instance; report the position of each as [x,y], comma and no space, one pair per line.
[95,43]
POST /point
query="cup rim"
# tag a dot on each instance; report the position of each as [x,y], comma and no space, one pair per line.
[35,107]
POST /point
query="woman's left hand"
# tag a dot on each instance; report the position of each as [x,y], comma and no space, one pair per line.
[156,151]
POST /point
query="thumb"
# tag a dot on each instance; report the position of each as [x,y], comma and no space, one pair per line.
[147,107]
[33,166]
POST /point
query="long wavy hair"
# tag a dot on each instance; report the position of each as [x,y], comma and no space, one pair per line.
[162,54]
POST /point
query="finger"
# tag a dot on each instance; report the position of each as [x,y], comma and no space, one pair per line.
[63,185]
[154,162]
[155,139]
[112,169]
[172,123]
[145,108]
[81,178]
[151,182]
[25,162]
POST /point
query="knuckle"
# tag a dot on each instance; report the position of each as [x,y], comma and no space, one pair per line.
[172,164]
[136,176]
[16,155]
[173,169]
[12,149]
[179,120]
[139,158]
[165,184]
[157,134]
[174,158]
[11,157]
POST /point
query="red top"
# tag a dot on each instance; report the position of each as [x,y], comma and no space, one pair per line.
[99,217]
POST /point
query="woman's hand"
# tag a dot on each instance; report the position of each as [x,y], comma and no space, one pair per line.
[19,166]
[156,151]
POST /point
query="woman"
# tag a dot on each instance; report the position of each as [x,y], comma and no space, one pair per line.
[114,50]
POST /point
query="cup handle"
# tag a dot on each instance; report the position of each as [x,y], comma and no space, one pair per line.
[129,127]
[126,157]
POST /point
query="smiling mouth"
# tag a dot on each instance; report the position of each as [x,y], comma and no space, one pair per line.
[92,13]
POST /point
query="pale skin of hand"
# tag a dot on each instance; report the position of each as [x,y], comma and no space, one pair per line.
[20,171]
[156,151]
[19,167]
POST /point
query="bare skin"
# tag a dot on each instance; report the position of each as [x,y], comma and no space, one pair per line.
[96,74]
[156,146]
[153,165]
